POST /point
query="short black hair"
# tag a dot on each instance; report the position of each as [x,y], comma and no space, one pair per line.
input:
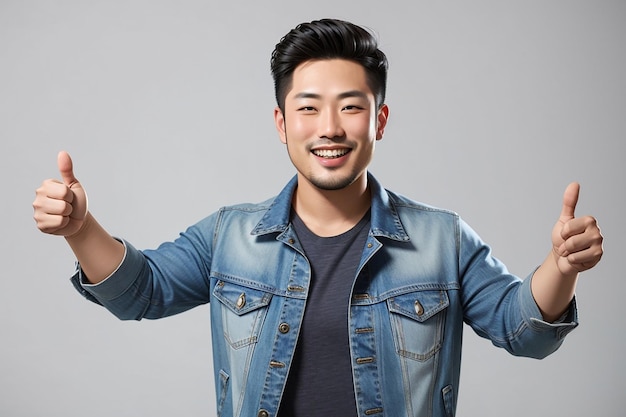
[328,39]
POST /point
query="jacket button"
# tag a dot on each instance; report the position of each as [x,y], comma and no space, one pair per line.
[263,413]
[241,301]
[419,310]
[283,328]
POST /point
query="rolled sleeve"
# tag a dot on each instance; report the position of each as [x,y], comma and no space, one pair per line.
[115,284]
[534,319]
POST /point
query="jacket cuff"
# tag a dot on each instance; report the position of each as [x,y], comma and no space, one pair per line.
[115,284]
[533,317]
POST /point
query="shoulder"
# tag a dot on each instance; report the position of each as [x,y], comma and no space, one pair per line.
[408,205]
[245,213]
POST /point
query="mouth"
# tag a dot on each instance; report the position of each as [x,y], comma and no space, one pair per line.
[330,153]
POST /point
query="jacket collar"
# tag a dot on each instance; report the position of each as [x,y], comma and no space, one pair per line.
[385,221]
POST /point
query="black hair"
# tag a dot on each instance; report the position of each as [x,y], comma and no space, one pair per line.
[328,39]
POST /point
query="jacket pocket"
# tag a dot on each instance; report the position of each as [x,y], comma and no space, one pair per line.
[417,321]
[243,312]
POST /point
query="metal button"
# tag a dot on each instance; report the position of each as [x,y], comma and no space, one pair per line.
[283,328]
[263,413]
[419,310]
[241,301]
[369,245]
[276,364]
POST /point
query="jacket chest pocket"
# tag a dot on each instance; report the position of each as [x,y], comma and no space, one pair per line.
[243,312]
[417,321]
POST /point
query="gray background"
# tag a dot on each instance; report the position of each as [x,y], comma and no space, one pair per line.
[166,108]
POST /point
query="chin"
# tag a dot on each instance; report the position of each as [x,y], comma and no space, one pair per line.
[332,183]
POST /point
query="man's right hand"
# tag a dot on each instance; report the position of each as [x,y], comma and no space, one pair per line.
[61,206]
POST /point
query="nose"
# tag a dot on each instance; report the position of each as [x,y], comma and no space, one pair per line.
[330,125]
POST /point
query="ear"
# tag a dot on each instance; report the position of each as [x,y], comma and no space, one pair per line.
[279,120]
[382,117]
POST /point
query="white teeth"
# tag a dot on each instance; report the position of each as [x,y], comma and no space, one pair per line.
[330,153]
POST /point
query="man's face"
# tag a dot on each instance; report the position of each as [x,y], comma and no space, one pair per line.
[330,123]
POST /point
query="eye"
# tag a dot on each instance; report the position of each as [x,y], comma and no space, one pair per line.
[352,108]
[306,109]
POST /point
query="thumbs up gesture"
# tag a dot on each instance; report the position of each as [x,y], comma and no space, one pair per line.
[576,241]
[61,206]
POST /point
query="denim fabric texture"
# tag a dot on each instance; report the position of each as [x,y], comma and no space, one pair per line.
[423,273]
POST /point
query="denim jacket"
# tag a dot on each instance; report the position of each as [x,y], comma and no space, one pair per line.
[422,274]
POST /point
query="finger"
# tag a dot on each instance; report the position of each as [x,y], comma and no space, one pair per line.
[578,226]
[55,207]
[578,242]
[585,258]
[66,168]
[570,199]
[51,224]
[56,190]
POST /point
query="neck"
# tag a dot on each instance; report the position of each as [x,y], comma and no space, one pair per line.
[331,212]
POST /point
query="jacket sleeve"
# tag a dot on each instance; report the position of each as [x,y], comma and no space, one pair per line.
[157,283]
[500,307]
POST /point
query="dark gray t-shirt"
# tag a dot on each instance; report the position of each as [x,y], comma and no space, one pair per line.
[320,379]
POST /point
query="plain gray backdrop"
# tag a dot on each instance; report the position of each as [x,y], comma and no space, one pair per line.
[166,108]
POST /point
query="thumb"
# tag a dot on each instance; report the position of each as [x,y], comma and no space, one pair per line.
[66,168]
[570,199]
[79,200]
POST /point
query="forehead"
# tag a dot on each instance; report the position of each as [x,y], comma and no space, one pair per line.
[328,76]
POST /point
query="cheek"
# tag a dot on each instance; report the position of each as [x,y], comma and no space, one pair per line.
[362,126]
[299,126]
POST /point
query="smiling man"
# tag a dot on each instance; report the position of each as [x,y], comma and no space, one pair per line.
[337,297]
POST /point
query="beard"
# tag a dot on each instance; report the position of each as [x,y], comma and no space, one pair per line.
[331,183]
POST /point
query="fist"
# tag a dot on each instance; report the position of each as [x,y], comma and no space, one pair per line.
[576,241]
[61,206]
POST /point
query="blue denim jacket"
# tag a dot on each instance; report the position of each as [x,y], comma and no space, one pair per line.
[423,272]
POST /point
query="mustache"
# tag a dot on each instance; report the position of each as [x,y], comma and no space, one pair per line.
[329,142]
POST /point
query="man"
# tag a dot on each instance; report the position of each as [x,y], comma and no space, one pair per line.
[336,297]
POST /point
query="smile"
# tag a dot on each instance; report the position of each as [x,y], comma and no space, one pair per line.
[330,153]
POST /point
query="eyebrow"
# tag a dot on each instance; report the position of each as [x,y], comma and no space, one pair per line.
[346,94]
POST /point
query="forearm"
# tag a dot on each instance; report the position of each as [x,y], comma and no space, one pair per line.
[98,253]
[552,290]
